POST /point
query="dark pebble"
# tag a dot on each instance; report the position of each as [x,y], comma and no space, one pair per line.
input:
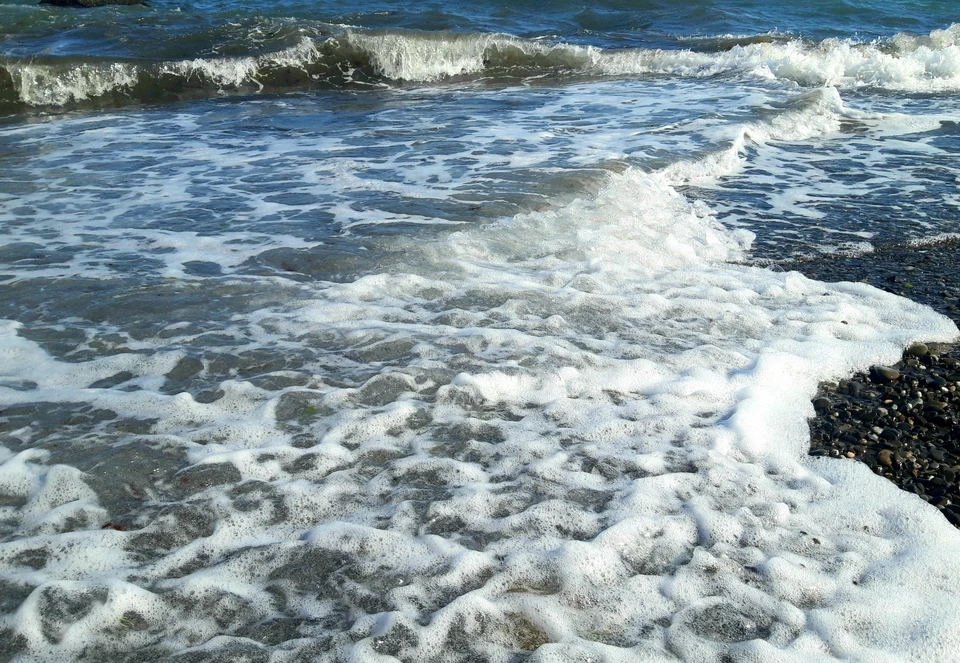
[884,374]
[890,434]
[903,419]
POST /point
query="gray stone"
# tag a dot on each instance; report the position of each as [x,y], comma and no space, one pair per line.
[885,373]
[918,349]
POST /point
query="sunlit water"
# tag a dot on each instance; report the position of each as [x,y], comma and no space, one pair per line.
[335,334]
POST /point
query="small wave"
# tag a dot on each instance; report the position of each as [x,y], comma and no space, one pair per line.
[815,113]
[63,83]
[905,63]
[934,240]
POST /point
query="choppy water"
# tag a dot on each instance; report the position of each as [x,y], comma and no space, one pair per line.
[373,333]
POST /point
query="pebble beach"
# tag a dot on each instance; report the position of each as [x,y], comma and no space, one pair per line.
[903,421]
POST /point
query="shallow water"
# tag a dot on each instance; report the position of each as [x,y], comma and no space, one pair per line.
[371,334]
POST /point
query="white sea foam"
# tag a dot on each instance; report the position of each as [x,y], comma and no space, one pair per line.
[56,85]
[840,63]
[803,192]
[43,85]
[907,63]
[104,202]
[578,430]
[239,71]
[918,64]
[929,64]
[629,481]
[812,114]
[425,58]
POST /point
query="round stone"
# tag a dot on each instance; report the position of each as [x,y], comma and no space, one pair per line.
[890,434]
[885,373]
[918,349]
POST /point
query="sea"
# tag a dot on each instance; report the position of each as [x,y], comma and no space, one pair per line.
[463,331]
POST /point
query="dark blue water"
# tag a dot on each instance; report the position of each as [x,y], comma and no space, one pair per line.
[172,29]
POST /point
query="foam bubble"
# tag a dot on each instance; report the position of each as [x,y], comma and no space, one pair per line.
[575,429]
[595,443]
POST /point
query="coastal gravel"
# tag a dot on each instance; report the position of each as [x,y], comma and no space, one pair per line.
[903,421]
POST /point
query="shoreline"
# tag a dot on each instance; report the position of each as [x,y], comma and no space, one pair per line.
[902,421]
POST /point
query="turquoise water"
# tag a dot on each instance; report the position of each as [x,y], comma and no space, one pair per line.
[455,332]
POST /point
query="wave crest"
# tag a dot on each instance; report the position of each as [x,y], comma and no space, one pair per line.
[906,63]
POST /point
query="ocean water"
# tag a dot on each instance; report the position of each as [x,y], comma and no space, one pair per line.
[459,331]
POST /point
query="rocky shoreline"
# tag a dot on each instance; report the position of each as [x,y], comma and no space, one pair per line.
[903,421]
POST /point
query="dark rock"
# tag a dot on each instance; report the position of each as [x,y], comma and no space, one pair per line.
[884,374]
[890,434]
[885,457]
[822,404]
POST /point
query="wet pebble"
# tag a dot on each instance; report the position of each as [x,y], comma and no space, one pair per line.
[916,397]
[884,374]
[901,421]
[918,349]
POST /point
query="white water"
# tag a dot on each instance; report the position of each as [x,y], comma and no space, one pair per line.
[908,63]
[645,460]
[576,431]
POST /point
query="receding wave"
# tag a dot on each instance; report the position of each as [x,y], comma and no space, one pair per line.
[909,63]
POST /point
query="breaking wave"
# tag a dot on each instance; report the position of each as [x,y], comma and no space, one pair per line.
[905,63]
